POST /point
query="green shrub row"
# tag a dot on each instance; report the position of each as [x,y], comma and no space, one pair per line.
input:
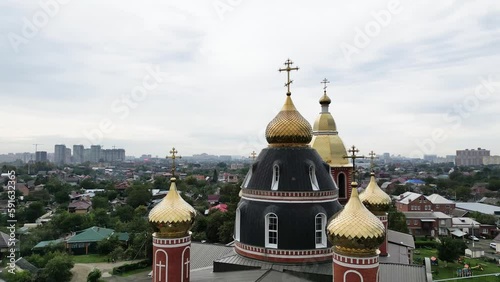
[426,244]
[129,267]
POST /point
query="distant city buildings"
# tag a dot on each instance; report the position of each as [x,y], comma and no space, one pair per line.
[491,160]
[41,156]
[95,153]
[78,153]
[430,158]
[471,157]
[59,154]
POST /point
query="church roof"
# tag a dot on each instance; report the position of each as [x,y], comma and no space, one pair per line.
[173,216]
[326,139]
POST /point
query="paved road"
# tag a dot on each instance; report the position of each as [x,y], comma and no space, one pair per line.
[81,270]
[484,244]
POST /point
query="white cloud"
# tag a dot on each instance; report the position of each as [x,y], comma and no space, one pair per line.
[222,85]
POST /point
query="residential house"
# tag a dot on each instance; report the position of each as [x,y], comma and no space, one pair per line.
[410,201]
[85,241]
[428,223]
[213,199]
[79,206]
[23,189]
[470,226]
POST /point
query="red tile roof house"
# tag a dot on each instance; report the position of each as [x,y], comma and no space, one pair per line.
[79,206]
[410,201]
[23,189]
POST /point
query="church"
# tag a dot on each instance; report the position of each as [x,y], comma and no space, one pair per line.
[300,216]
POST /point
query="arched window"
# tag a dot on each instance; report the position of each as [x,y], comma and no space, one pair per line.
[276,177]
[312,177]
[319,232]
[237,225]
[341,184]
[271,230]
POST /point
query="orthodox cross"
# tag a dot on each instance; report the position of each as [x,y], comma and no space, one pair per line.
[173,156]
[253,155]
[353,150]
[324,82]
[187,267]
[288,63]
[160,266]
[372,160]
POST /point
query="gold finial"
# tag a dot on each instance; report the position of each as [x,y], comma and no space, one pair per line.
[324,82]
[288,63]
[372,160]
[173,156]
[253,155]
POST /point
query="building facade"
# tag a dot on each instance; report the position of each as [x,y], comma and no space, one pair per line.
[60,154]
[471,157]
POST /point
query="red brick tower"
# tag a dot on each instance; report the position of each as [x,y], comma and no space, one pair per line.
[355,234]
[171,219]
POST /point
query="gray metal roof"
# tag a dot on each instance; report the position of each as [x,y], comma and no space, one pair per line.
[393,272]
[203,255]
[400,238]
[482,208]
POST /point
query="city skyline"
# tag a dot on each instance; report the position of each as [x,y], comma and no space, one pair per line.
[405,78]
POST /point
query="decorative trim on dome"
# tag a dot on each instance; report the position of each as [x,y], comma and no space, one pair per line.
[294,197]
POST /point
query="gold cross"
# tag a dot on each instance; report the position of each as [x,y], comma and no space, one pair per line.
[288,63]
[253,155]
[324,82]
[353,150]
[173,156]
[372,160]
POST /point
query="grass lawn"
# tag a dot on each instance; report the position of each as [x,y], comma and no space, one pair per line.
[442,272]
[92,258]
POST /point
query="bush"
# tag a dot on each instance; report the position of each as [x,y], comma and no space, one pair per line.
[94,275]
[129,267]
[426,244]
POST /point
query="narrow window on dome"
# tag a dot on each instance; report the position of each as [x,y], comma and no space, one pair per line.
[237,226]
[320,235]
[271,230]
[341,183]
[247,179]
[276,177]
[312,177]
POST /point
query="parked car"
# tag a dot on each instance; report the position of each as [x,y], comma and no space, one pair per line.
[493,246]
[474,238]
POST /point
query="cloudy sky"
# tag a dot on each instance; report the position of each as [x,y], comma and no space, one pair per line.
[406,78]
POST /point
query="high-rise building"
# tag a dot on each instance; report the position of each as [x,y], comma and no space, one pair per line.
[113,155]
[41,156]
[67,156]
[95,153]
[78,154]
[59,154]
[471,157]
[430,158]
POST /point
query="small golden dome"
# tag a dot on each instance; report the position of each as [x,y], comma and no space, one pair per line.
[289,127]
[325,100]
[375,200]
[355,230]
[172,217]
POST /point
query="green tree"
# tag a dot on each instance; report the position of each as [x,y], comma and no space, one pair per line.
[484,218]
[58,269]
[125,213]
[18,276]
[106,246]
[94,275]
[100,202]
[61,197]
[34,211]
[397,220]
[450,249]
[138,195]
[214,221]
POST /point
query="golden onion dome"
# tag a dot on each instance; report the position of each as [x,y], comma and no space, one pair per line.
[289,127]
[325,100]
[172,217]
[355,230]
[326,139]
[375,200]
